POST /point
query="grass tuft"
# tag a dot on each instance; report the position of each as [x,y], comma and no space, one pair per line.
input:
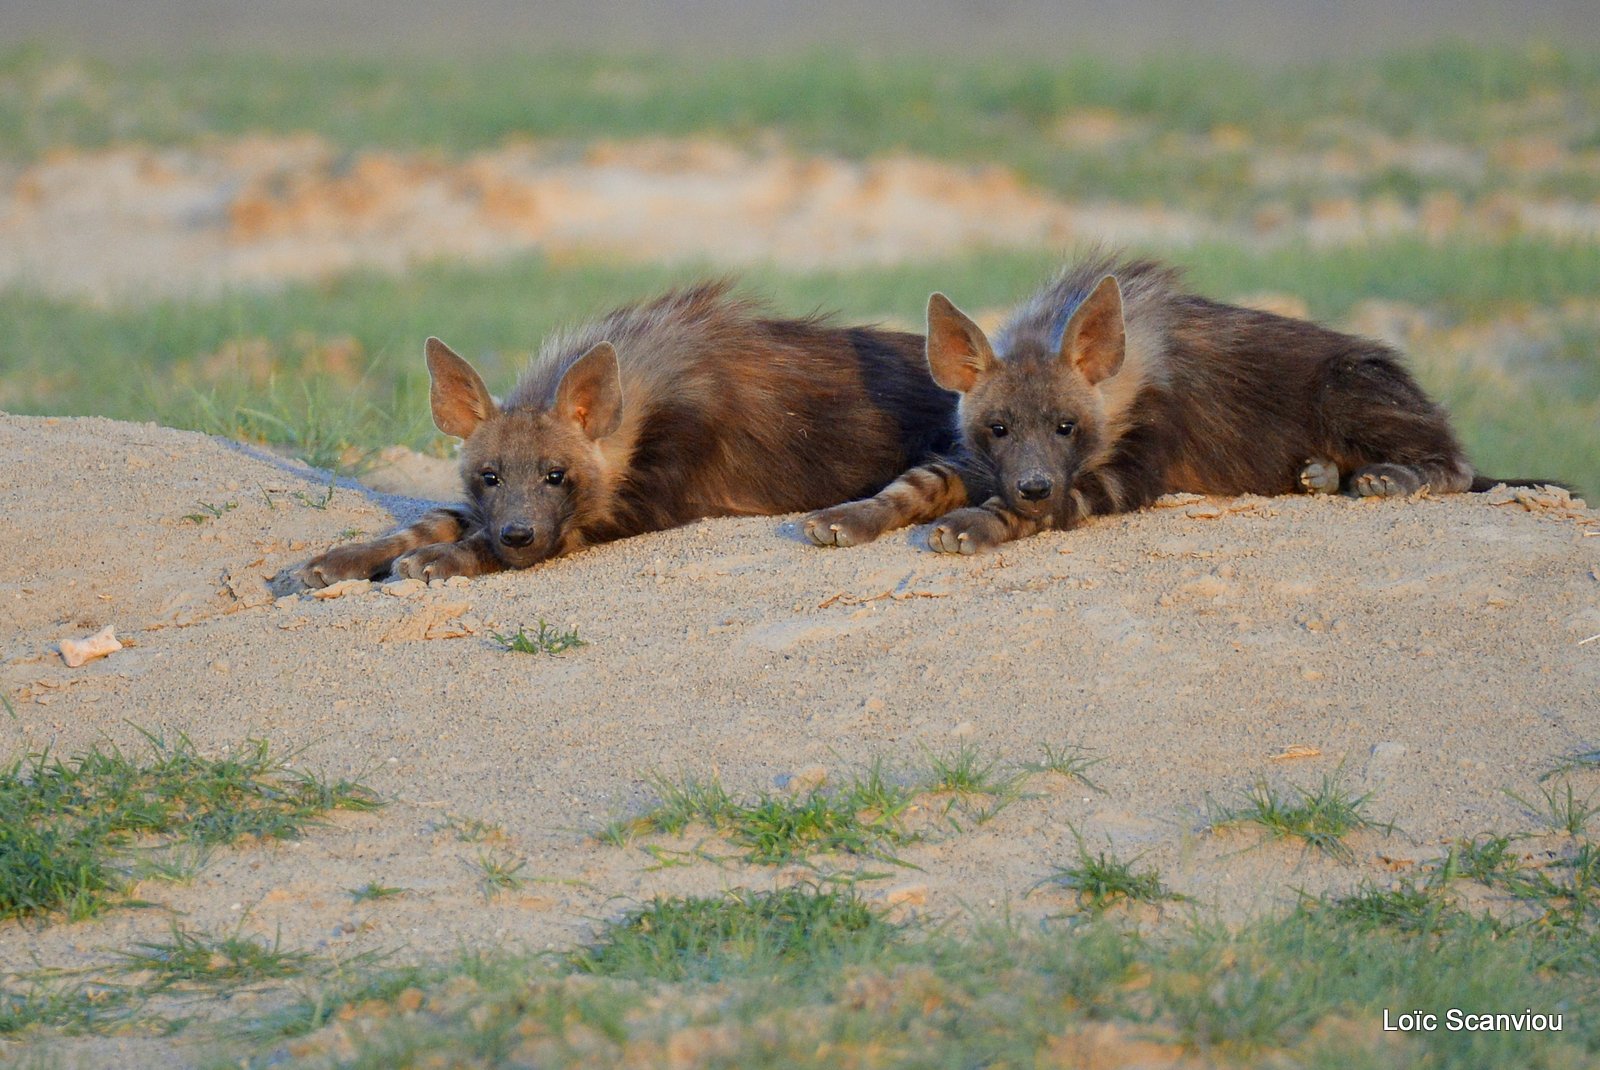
[472,829]
[501,872]
[1102,880]
[209,511]
[1406,907]
[865,816]
[704,938]
[1561,808]
[67,826]
[1489,859]
[1320,817]
[372,890]
[547,640]
[193,959]
[972,783]
[1588,759]
[77,1008]
[776,829]
[1071,761]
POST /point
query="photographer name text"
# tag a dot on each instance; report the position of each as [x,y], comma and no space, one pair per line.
[1456,1020]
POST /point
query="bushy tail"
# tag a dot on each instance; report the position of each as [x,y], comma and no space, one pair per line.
[1483,483]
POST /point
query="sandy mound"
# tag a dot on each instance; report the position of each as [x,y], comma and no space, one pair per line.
[1429,649]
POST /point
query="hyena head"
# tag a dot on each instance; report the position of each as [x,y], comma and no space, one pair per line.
[1033,414]
[530,472]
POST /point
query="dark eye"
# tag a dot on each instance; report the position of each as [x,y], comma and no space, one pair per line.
[1066,427]
[490,479]
[555,477]
[999,430]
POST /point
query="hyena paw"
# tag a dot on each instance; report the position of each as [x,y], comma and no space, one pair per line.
[357,562]
[850,524]
[438,561]
[1320,477]
[967,531]
[1386,481]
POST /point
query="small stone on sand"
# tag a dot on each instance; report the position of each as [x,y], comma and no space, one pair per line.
[76,652]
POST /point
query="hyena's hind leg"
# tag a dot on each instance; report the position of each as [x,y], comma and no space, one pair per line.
[1384,434]
[370,560]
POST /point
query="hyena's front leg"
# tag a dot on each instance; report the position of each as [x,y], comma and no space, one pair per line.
[471,556]
[369,560]
[970,531]
[1128,480]
[920,495]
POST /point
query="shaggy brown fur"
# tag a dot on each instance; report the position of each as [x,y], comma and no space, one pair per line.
[1112,387]
[694,405]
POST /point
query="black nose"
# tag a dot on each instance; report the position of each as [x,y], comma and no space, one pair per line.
[1034,488]
[516,534]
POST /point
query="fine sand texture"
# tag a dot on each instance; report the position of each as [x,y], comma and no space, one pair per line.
[1428,651]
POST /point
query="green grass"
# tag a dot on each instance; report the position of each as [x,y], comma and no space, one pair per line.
[74,1008]
[808,978]
[208,511]
[1408,907]
[500,871]
[863,817]
[344,985]
[195,960]
[472,829]
[141,363]
[679,803]
[372,891]
[547,640]
[971,782]
[1101,880]
[1319,817]
[1560,807]
[175,863]
[68,828]
[1487,859]
[965,771]
[776,829]
[970,109]
[1071,761]
[739,932]
[1583,759]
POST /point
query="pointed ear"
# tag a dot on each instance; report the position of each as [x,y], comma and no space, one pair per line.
[590,393]
[958,352]
[1095,341]
[460,400]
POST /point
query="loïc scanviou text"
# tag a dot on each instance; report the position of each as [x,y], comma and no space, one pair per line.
[1456,1020]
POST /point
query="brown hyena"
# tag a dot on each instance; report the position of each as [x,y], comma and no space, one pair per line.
[693,405]
[1112,387]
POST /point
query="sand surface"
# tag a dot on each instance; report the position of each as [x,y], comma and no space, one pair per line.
[1430,651]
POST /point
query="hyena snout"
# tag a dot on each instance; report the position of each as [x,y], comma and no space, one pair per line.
[516,535]
[1035,487]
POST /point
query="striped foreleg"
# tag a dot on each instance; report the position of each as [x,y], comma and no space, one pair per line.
[918,496]
[982,527]
[372,559]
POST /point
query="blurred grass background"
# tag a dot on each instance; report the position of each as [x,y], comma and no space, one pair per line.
[331,370]
[968,109]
